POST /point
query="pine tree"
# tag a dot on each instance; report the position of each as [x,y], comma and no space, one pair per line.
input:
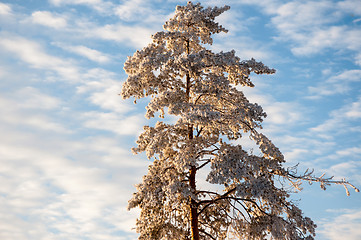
[202,90]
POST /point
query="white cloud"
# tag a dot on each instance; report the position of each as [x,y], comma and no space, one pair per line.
[5,9]
[336,84]
[113,122]
[131,10]
[81,208]
[136,36]
[268,6]
[33,53]
[313,26]
[336,37]
[303,15]
[278,113]
[99,5]
[358,57]
[61,2]
[354,111]
[146,12]
[282,113]
[239,37]
[347,225]
[32,98]
[108,98]
[48,19]
[356,20]
[47,195]
[29,51]
[351,6]
[349,151]
[22,115]
[104,91]
[295,155]
[84,51]
[110,150]
[347,164]
[245,47]
[340,120]
[346,168]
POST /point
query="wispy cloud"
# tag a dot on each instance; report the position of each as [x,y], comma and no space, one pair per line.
[347,225]
[136,36]
[91,54]
[143,12]
[350,6]
[311,27]
[337,37]
[5,9]
[347,168]
[98,5]
[341,120]
[33,54]
[23,115]
[48,19]
[119,124]
[32,98]
[64,197]
[60,2]
[133,10]
[282,114]
[340,83]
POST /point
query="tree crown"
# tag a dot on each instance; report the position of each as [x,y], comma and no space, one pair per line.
[201,89]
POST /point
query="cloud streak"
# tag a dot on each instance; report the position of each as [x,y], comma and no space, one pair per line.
[48,19]
[337,84]
[33,54]
[91,54]
[5,9]
[344,226]
[311,27]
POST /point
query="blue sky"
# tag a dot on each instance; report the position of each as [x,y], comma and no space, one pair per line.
[66,169]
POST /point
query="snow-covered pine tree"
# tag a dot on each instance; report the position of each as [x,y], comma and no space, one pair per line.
[199,87]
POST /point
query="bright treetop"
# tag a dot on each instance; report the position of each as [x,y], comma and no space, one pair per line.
[199,87]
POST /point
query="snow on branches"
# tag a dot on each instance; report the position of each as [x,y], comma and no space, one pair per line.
[199,87]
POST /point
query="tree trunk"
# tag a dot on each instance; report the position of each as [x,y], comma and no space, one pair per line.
[194,206]
[192,184]
[193,170]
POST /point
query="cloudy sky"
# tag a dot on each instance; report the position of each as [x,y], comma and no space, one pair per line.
[66,170]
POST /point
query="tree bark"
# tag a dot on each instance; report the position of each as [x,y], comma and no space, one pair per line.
[194,205]
[192,182]
[193,170]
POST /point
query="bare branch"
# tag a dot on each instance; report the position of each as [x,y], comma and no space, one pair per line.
[204,164]
[324,181]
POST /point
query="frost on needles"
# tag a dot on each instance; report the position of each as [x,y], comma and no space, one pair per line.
[199,87]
